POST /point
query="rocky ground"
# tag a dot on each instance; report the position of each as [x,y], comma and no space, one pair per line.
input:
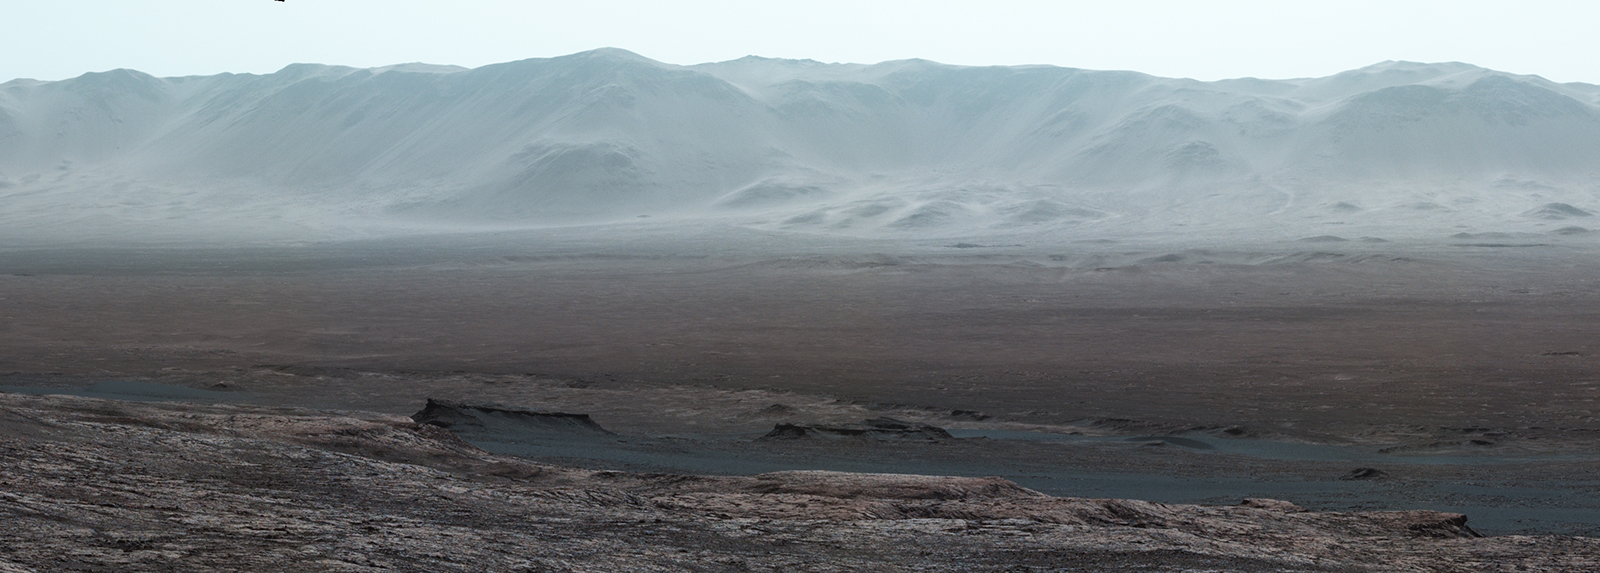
[101,485]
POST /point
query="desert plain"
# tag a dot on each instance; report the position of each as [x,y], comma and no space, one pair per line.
[1452,376]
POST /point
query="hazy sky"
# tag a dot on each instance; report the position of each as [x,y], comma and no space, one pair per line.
[1213,39]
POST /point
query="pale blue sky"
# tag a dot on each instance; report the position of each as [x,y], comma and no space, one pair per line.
[1207,40]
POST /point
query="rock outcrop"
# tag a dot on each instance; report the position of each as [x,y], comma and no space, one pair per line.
[875,428]
[460,417]
[101,485]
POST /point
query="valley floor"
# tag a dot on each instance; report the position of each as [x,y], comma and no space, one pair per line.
[1463,374]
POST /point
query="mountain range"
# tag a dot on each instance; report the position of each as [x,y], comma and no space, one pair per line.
[901,148]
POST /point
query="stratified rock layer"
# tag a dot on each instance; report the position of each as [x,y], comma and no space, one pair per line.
[99,485]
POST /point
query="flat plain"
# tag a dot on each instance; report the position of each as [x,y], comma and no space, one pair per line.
[1464,373]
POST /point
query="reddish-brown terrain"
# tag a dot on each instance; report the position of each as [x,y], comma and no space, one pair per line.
[1466,376]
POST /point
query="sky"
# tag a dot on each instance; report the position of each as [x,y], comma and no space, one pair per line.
[1205,40]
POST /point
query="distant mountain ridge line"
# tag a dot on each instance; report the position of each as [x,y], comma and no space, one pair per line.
[897,146]
[452,68]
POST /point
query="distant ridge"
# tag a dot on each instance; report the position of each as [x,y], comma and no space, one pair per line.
[900,148]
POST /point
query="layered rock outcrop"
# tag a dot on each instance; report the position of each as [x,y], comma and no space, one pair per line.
[99,485]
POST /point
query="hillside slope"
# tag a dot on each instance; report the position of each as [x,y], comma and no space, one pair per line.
[904,148]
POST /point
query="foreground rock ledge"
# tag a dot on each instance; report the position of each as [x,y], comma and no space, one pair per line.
[98,485]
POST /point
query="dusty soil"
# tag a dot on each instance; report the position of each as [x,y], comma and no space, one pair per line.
[1373,343]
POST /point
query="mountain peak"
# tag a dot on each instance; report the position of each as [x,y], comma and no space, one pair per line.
[302,71]
[119,74]
[418,68]
[609,53]
[1410,66]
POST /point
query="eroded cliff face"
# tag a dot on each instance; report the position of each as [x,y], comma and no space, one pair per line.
[98,485]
